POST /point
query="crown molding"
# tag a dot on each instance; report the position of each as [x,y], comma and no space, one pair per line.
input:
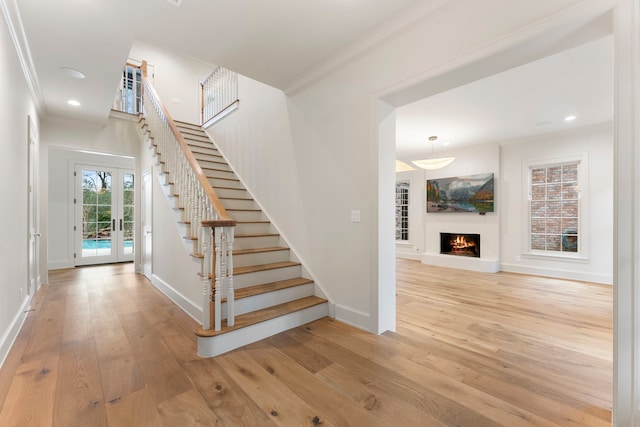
[12,17]
[392,29]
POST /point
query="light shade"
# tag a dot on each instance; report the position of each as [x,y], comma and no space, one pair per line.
[403,167]
[71,72]
[433,164]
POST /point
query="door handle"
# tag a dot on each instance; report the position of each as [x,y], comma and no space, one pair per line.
[114,225]
[120,224]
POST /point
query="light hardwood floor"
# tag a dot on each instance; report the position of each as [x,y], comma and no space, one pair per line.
[102,347]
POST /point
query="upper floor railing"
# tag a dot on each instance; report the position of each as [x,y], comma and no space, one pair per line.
[128,97]
[219,94]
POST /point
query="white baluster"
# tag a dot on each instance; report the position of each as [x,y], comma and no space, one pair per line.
[206,282]
[229,267]
[218,271]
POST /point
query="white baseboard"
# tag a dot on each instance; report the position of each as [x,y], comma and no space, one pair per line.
[558,274]
[409,255]
[462,262]
[9,336]
[59,265]
[353,317]
[180,300]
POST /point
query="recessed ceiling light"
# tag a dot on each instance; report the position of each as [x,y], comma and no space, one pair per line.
[73,102]
[570,118]
[70,72]
[175,2]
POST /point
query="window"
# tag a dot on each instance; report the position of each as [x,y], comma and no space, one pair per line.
[554,208]
[402,210]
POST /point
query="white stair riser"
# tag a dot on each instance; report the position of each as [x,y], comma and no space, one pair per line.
[216,182]
[212,164]
[214,346]
[267,276]
[216,167]
[269,299]
[254,228]
[239,204]
[219,173]
[201,157]
[256,242]
[197,150]
[193,138]
[240,215]
[260,258]
[231,192]
[183,125]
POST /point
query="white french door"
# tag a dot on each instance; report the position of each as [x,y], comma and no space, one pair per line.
[104,215]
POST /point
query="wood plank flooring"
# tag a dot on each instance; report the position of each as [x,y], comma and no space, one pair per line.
[104,348]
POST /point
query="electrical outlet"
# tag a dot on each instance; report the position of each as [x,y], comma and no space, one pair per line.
[517,258]
[21,293]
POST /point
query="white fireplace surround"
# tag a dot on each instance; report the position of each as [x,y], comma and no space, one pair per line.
[462,262]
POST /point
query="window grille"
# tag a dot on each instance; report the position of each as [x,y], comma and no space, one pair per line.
[554,208]
[402,210]
[129,94]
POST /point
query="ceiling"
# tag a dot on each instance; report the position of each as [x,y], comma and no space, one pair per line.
[283,42]
[276,42]
[530,99]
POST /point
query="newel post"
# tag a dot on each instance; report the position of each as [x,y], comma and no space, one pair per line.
[222,269]
[207,303]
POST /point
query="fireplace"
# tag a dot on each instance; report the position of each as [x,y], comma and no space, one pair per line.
[460,244]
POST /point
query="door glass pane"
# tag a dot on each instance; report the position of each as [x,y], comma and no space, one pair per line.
[96,212]
[128,212]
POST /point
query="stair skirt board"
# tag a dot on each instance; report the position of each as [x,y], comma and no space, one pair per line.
[215,346]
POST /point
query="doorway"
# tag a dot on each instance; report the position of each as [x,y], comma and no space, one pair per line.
[147,244]
[34,233]
[104,215]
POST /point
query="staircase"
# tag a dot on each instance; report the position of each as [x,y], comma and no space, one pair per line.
[273,292]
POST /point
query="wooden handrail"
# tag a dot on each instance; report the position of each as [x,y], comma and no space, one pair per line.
[204,182]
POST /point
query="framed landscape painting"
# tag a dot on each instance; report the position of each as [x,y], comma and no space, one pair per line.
[473,193]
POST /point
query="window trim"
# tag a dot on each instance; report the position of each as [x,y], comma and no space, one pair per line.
[583,195]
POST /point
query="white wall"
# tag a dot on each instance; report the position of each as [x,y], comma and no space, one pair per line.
[472,161]
[313,158]
[503,233]
[16,106]
[597,236]
[69,143]
[176,78]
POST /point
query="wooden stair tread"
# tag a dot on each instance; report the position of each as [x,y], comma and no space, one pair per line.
[226,179]
[264,267]
[241,236]
[269,287]
[259,250]
[247,199]
[265,314]
[210,169]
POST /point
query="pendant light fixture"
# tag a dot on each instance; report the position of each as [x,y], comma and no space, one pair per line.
[433,163]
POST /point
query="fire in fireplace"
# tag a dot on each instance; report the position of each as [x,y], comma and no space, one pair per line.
[460,244]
